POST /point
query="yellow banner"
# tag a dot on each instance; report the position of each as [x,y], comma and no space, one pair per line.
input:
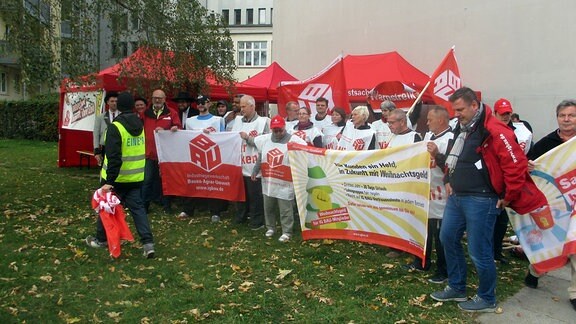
[378,196]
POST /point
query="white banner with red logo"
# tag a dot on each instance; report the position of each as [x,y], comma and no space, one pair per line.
[378,197]
[400,94]
[555,175]
[80,109]
[194,164]
[446,80]
[329,83]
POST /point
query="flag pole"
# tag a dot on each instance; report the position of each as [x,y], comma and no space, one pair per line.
[418,98]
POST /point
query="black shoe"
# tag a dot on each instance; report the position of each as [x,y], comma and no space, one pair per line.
[438,278]
[573,302]
[531,281]
[256,227]
[237,221]
[500,258]
[414,267]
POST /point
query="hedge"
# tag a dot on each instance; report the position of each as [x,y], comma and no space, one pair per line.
[35,119]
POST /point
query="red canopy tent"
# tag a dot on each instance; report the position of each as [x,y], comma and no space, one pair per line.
[269,79]
[142,63]
[364,72]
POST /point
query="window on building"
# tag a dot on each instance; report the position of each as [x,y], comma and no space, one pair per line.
[119,49]
[134,21]
[271,15]
[226,16]
[3,83]
[262,16]
[38,9]
[134,46]
[249,16]
[252,54]
[237,16]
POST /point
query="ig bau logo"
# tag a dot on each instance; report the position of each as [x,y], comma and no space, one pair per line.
[445,84]
[314,91]
[204,153]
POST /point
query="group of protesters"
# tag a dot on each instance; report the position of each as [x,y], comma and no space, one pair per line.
[479,166]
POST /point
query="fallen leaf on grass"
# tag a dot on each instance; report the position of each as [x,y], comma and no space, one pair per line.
[113,314]
[499,310]
[555,298]
[438,304]
[204,233]
[387,266]
[246,286]
[47,278]
[282,274]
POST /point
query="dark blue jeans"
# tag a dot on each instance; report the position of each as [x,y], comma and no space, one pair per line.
[132,200]
[254,204]
[152,187]
[476,215]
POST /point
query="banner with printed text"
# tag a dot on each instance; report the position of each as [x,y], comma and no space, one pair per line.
[194,164]
[555,175]
[80,109]
[378,197]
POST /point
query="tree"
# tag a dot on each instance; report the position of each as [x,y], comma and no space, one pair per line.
[185,43]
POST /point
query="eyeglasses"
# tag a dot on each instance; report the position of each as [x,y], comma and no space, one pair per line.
[158,98]
[392,121]
[277,130]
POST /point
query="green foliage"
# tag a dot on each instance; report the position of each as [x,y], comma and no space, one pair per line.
[220,273]
[198,44]
[32,119]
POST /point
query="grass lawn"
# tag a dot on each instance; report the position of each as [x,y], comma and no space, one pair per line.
[202,272]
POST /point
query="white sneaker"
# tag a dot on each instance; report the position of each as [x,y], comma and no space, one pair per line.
[215,218]
[269,233]
[284,238]
[183,215]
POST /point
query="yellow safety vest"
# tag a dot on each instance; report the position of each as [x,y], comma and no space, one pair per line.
[133,157]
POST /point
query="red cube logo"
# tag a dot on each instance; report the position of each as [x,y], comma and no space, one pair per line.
[358,144]
[205,153]
[274,158]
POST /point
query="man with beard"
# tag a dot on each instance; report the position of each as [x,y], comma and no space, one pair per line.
[207,123]
[185,111]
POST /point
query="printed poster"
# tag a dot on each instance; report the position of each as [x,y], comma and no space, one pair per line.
[378,197]
[80,109]
[555,175]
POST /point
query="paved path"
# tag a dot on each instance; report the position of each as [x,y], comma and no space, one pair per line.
[547,304]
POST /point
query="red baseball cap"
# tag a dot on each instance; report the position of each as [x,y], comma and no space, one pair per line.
[277,122]
[502,106]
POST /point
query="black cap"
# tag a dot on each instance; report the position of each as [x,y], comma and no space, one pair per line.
[125,102]
[201,99]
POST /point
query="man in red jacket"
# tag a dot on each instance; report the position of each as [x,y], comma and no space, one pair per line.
[157,117]
[486,170]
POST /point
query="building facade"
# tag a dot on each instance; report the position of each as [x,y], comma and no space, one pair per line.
[250,23]
[516,49]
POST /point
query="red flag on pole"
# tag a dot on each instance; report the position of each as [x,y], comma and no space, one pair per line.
[329,83]
[445,80]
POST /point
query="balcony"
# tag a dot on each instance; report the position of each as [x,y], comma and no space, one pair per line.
[7,56]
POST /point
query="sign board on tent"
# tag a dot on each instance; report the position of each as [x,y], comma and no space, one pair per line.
[400,94]
[80,109]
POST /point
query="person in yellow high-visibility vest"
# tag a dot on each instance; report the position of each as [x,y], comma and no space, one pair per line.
[123,172]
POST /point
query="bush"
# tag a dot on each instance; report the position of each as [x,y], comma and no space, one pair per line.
[35,119]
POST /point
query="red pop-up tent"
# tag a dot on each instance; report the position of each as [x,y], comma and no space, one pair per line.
[364,72]
[269,79]
[80,102]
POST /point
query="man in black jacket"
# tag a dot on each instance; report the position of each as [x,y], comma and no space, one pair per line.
[123,172]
